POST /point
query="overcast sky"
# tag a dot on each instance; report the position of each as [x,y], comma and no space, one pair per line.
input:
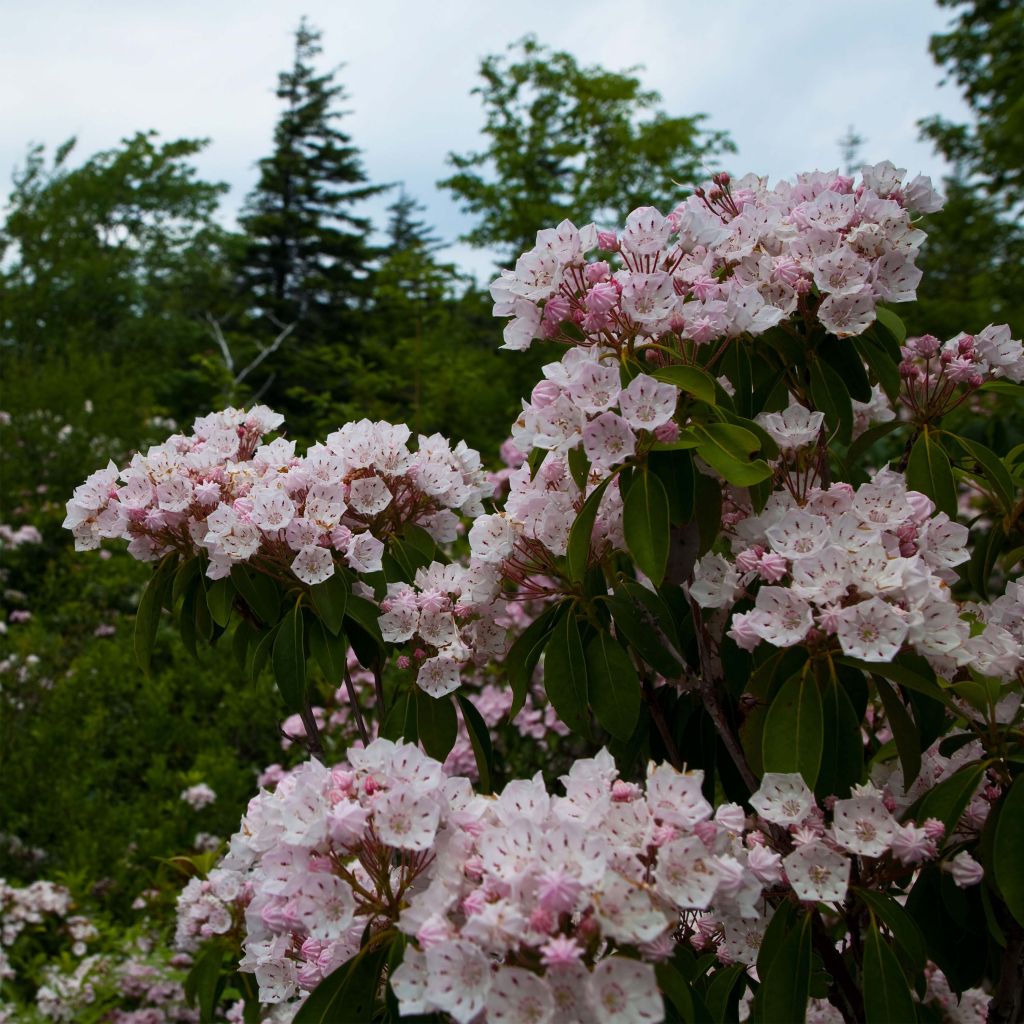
[786,78]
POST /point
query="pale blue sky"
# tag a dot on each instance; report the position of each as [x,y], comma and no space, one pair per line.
[785,78]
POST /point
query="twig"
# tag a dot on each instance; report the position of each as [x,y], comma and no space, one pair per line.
[658,716]
[360,724]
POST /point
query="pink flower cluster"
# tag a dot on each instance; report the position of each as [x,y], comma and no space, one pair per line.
[198,796]
[868,568]
[512,901]
[450,618]
[938,376]
[224,490]
[734,258]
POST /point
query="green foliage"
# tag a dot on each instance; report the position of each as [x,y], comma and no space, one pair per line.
[571,141]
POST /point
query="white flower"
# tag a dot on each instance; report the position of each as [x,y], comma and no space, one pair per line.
[369,495]
[783,799]
[458,979]
[646,403]
[871,630]
[625,992]
[686,873]
[439,675]
[816,872]
[863,825]
[313,565]
[519,996]
[675,797]
[406,821]
[794,427]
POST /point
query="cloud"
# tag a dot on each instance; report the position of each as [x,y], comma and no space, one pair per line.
[785,80]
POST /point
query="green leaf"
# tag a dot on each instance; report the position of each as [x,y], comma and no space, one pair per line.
[259,654]
[629,623]
[995,473]
[330,599]
[904,730]
[842,356]
[707,502]
[613,685]
[892,323]
[400,723]
[887,998]
[437,725]
[906,677]
[949,798]
[830,395]
[689,379]
[675,989]
[929,472]
[881,363]
[203,982]
[778,928]
[721,996]
[579,467]
[1008,849]
[220,599]
[329,651]
[259,592]
[565,675]
[726,447]
[364,630]
[657,607]
[348,993]
[646,525]
[782,997]
[842,757]
[147,618]
[245,634]
[480,739]
[525,652]
[289,659]
[1003,387]
[675,471]
[904,928]
[184,579]
[794,733]
[578,552]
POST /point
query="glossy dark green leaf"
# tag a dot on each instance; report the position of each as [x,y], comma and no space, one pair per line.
[948,800]
[902,674]
[904,729]
[147,618]
[579,467]
[1008,849]
[794,729]
[613,686]
[690,379]
[185,578]
[708,508]
[348,993]
[289,658]
[892,323]
[630,624]
[220,599]
[525,652]
[842,756]
[565,675]
[887,998]
[204,981]
[994,470]
[676,990]
[881,363]
[363,630]
[259,592]
[400,722]
[843,357]
[929,471]
[259,653]
[778,928]
[244,636]
[578,552]
[904,928]
[675,471]
[782,997]
[328,651]
[330,599]
[830,395]
[726,447]
[437,725]
[722,996]
[480,739]
[645,523]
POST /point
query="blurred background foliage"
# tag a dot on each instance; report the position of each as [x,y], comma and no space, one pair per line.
[127,308]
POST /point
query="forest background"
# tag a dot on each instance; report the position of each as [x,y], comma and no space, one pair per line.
[127,304]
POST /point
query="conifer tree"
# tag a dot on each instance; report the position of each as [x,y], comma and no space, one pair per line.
[308,259]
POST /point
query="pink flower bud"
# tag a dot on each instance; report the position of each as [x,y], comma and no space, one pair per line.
[607,240]
[545,393]
[597,272]
[667,432]
[556,310]
[602,297]
[935,828]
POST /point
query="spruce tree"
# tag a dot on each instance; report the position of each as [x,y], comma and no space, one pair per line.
[308,258]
